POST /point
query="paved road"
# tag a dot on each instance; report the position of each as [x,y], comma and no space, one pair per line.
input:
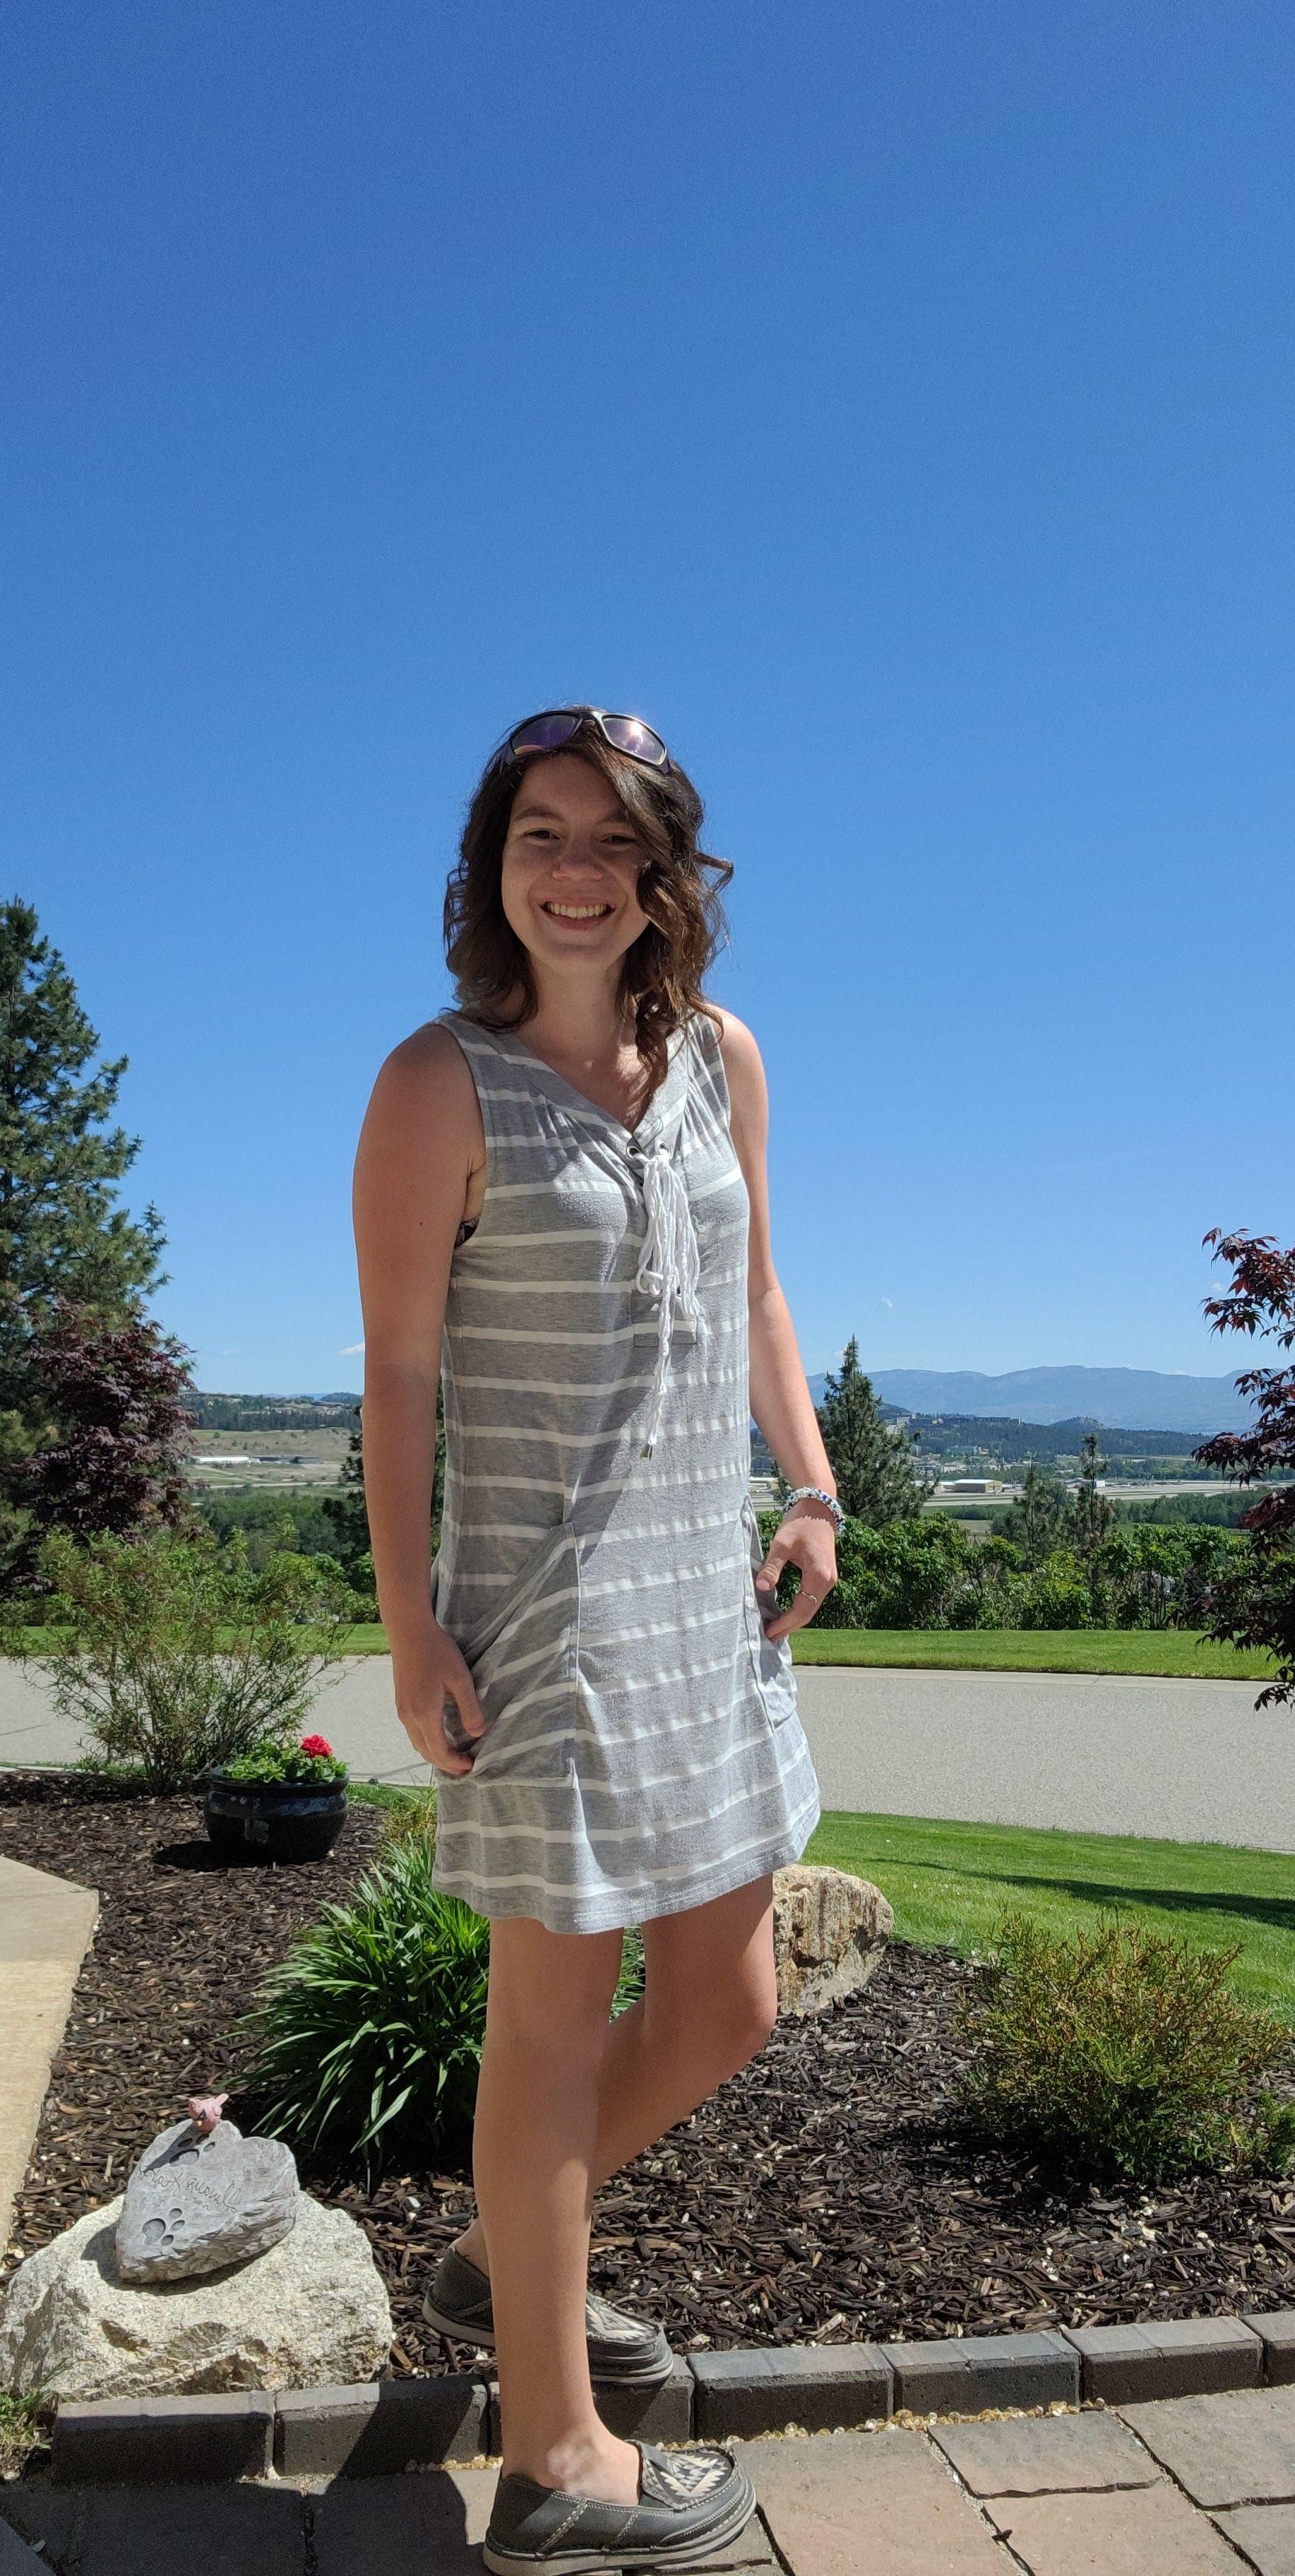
[1193,2486]
[1095,1753]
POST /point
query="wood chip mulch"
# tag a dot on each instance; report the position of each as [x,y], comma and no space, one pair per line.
[180,1942]
[828,2193]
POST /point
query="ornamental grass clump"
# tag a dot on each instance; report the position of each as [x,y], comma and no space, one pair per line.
[365,2043]
[366,2040]
[1121,2053]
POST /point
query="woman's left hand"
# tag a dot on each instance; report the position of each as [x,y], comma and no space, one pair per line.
[807,1539]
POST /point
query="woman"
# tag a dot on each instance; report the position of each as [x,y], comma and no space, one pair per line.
[561,1209]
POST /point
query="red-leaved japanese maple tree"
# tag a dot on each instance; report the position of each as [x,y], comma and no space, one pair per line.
[1255,1606]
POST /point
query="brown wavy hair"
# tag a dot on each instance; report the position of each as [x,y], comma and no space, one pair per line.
[679,889]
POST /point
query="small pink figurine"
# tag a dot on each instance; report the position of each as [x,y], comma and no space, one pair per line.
[205,2110]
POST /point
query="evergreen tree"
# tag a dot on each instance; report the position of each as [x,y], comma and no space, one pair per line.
[1092,1512]
[60,1233]
[64,1244]
[1040,1519]
[347,1511]
[877,1478]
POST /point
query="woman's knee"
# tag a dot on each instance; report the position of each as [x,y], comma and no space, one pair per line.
[723,2026]
[754,2013]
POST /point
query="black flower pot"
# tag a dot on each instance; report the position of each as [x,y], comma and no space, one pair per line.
[272,1819]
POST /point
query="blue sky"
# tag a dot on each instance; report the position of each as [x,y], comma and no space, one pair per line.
[893,404]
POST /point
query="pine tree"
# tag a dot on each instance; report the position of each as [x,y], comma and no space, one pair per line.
[1040,1519]
[877,1479]
[347,1511]
[1093,1512]
[60,1233]
[63,1241]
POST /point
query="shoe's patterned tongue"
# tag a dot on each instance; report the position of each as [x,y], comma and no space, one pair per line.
[602,2319]
[672,2476]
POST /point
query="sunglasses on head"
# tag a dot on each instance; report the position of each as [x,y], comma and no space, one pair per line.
[558,725]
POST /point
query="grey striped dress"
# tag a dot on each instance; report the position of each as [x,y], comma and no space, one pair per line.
[643,1751]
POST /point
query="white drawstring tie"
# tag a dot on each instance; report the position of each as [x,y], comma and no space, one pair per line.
[669,1266]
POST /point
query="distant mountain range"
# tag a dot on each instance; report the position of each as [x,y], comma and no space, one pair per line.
[1123,1398]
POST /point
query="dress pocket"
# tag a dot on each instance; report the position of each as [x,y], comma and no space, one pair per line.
[771,1659]
[521,1654]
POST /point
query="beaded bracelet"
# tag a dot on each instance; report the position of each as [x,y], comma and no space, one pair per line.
[816,1494]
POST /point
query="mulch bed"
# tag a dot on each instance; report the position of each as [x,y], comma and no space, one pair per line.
[180,1942]
[828,2193]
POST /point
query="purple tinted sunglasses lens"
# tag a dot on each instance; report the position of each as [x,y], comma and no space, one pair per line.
[627,734]
[546,733]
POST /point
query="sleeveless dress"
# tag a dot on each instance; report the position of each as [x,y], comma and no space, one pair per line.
[643,1751]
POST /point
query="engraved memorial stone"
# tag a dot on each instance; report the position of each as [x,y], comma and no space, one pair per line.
[203,2196]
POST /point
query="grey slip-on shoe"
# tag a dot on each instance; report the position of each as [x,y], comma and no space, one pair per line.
[621,2348]
[692,2507]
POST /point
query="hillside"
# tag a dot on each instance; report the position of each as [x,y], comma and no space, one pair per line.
[1120,1398]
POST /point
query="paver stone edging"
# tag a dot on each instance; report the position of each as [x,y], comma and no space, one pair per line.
[384,2426]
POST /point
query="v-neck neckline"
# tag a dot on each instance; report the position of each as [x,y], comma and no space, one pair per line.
[580,1100]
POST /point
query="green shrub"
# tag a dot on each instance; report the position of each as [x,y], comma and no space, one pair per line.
[926,1573]
[367,2037]
[366,2040]
[270,1522]
[173,1654]
[1120,2052]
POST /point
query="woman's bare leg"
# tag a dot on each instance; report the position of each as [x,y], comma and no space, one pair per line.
[709,2003]
[547,2033]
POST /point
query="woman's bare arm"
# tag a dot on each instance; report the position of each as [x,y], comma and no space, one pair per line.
[421,1156]
[780,1398]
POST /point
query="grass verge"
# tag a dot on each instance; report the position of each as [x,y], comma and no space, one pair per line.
[950,1883]
[1171,1651]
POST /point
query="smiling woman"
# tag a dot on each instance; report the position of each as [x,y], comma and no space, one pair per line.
[586,1665]
[647,821]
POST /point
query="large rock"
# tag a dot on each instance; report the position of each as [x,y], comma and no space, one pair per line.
[195,2204]
[311,2311]
[829,1931]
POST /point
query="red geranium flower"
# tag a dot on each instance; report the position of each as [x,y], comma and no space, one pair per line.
[318,1745]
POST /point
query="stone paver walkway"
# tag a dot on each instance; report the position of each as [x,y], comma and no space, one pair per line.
[1194,2486]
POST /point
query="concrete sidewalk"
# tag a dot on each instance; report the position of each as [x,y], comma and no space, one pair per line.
[1194,2486]
[46,1925]
[1187,1761]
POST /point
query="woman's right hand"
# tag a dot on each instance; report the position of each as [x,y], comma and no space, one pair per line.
[426,1675]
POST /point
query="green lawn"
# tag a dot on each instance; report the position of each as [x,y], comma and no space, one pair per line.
[1034,1650]
[996,1650]
[949,1883]
[987,1650]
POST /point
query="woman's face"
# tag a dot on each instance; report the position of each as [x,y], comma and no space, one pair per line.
[571,867]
